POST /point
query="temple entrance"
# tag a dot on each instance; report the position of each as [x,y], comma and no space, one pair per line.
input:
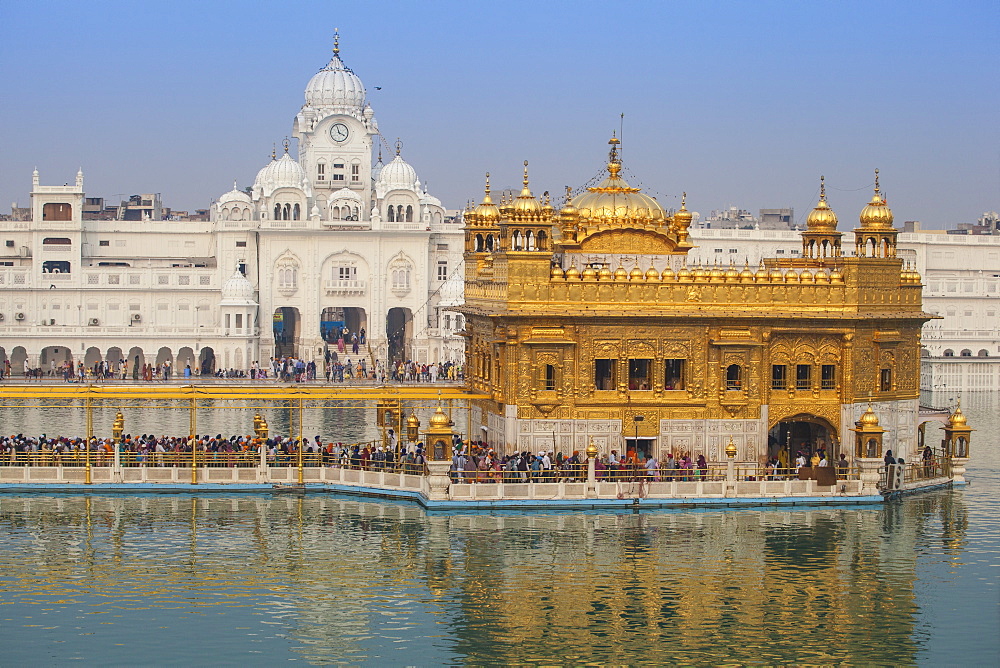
[18,360]
[92,357]
[285,325]
[399,332]
[185,359]
[53,357]
[639,449]
[808,433]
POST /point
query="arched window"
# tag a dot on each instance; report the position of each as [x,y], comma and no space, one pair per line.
[734,377]
[479,243]
[392,214]
[224,214]
[489,243]
[295,212]
[966,353]
[277,212]
[983,353]
[399,213]
[409,213]
[541,241]
[529,241]
[949,353]
[515,240]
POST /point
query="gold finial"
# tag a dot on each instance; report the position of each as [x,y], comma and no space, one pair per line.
[487,196]
[569,193]
[286,144]
[613,142]
[684,197]
[525,181]
[399,145]
[822,188]
[548,201]
[876,181]
[336,42]
[380,154]
[274,151]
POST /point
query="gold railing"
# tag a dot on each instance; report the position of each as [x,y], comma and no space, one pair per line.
[714,471]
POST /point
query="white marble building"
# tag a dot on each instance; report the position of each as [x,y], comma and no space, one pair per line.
[321,241]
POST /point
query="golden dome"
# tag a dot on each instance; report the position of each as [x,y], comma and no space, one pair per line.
[957,418]
[590,273]
[604,274]
[822,218]
[614,201]
[869,419]
[487,212]
[557,272]
[699,273]
[761,274]
[776,275]
[732,276]
[806,276]
[716,275]
[568,208]
[791,276]
[636,274]
[668,274]
[547,206]
[684,274]
[821,276]
[573,273]
[877,215]
[683,217]
[836,277]
[526,204]
[439,420]
[746,276]
[652,274]
[620,273]
[412,421]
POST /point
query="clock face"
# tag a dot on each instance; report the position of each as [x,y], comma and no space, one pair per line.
[339,132]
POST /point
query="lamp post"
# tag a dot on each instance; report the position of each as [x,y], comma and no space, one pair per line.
[591,470]
[730,468]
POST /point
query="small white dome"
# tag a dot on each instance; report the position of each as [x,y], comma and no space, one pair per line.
[237,291]
[282,173]
[234,195]
[398,174]
[344,194]
[336,86]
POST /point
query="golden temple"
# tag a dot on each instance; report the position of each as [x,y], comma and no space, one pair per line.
[587,323]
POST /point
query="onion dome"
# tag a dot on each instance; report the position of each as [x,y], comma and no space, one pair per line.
[667,275]
[237,291]
[868,418]
[283,173]
[821,276]
[604,274]
[683,217]
[716,275]
[589,273]
[732,276]
[761,275]
[573,273]
[526,204]
[568,208]
[412,421]
[877,215]
[336,85]
[806,276]
[547,206]
[397,175]
[699,273]
[557,272]
[469,215]
[614,201]
[957,418]
[791,276]
[439,420]
[620,273]
[487,212]
[636,274]
[684,274]
[746,276]
[836,276]
[822,218]
[777,276]
[235,195]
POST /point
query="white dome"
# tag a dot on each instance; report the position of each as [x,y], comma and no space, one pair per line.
[282,173]
[335,86]
[345,194]
[237,291]
[235,195]
[398,174]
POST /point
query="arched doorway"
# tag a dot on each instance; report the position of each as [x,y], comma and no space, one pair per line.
[398,332]
[206,361]
[53,357]
[285,324]
[92,357]
[185,358]
[114,356]
[806,432]
[18,359]
[164,355]
[136,360]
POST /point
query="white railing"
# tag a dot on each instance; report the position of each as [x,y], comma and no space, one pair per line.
[338,286]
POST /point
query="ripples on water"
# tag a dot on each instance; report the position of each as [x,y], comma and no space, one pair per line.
[236,579]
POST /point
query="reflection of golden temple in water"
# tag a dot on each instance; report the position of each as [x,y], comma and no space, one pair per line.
[586,322]
[510,588]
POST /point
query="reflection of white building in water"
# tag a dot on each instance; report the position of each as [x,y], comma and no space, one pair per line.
[327,240]
[961,278]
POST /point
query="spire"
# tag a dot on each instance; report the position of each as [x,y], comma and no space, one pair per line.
[399,146]
[336,42]
[822,188]
[486,197]
[274,149]
[286,144]
[525,192]
[876,183]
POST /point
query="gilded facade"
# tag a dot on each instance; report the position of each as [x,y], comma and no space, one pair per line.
[587,322]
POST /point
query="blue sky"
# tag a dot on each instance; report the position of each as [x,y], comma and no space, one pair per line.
[742,103]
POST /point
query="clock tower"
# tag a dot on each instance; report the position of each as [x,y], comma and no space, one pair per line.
[336,128]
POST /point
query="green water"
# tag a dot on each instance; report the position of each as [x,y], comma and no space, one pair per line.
[247,579]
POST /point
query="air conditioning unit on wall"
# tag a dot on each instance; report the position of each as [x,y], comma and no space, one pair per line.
[19,316]
[94,322]
[136,317]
